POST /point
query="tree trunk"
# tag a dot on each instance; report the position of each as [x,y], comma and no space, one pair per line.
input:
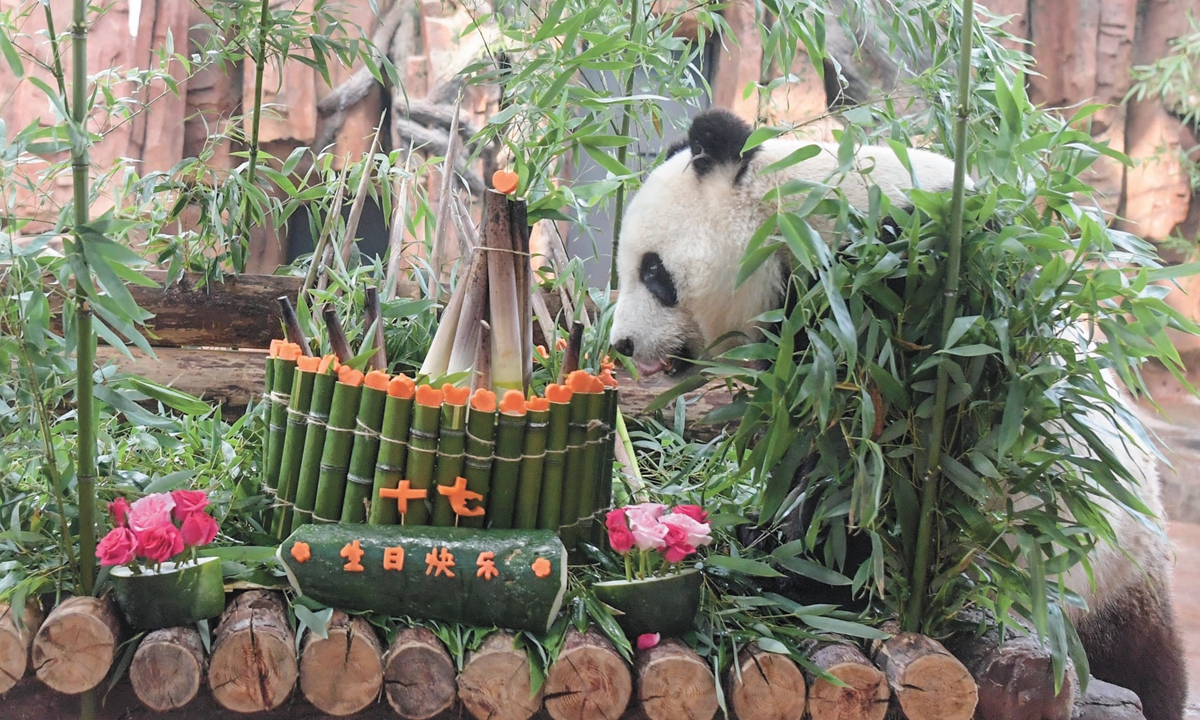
[15,639]
[588,681]
[253,665]
[865,694]
[494,683]
[675,684]
[75,646]
[343,672]
[1015,678]
[766,686]
[1105,701]
[418,675]
[929,682]
[168,668]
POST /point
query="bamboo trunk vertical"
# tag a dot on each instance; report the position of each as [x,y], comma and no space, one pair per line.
[393,448]
[451,447]
[293,443]
[314,442]
[573,474]
[481,431]
[510,430]
[360,478]
[533,460]
[592,452]
[550,504]
[285,368]
[422,449]
[339,436]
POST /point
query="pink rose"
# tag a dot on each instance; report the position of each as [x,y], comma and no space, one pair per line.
[619,536]
[161,543]
[677,553]
[119,509]
[675,546]
[697,533]
[150,512]
[198,529]
[646,641]
[692,511]
[188,502]
[117,547]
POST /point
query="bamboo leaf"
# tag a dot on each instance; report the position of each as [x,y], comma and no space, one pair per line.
[742,566]
[843,627]
[813,571]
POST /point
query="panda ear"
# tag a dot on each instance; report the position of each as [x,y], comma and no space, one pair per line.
[716,138]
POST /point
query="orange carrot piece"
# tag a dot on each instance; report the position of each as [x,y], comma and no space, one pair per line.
[607,379]
[429,396]
[597,385]
[454,395]
[276,344]
[308,364]
[537,404]
[328,361]
[505,181]
[376,379]
[580,381]
[483,400]
[349,376]
[513,403]
[559,393]
[541,350]
[560,344]
[402,386]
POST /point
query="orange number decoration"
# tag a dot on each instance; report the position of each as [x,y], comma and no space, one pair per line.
[402,494]
[439,564]
[487,565]
[353,553]
[458,494]
[393,558]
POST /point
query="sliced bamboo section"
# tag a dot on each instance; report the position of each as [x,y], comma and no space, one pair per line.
[342,673]
[588,681]
[863,695]
[418,675]
[929,682]
[253,664]
[766,686]
[674,683]
[75,646]
[168,668]
[15,640]
[494,683]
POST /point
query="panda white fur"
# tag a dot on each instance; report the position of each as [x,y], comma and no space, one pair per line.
[682,239]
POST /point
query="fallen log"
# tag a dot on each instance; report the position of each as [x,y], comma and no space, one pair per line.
[418,675]
[674,683]
[1105,701]
[928,682]
[16,635]
[168,668]
[253,664]
[863,694]
[588,681]
[766,686]
[342,672]
[74,648]
[494,683]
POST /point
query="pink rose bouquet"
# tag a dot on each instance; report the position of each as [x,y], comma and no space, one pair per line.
[157,528]
[650,528]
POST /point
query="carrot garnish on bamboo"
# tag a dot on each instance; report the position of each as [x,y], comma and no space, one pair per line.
[533,460]
[481,431]
[451,446]
[393,449]
[550,502]
[360,479]
[507,463]
[422,449]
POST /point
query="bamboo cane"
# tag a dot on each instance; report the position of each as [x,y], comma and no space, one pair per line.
[339,438]
[590,481]
[393,448]
[281,388]
[314,441]
[550,505]
[291,326]
[451,445]
[507,463]
[507,370]
[532,462]
[337,336]
[570,358]
[481,431]
[422,449]
[293,443]
[361,476]
[471,316]
[581,385]
[268,386]
[604,496]
[373,318]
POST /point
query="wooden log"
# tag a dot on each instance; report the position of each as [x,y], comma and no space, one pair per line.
[1015,678]
[766,686]
[253,664]
[342,673]
[1105,701]
[674,683]
[168,668]
[75,646]
[15,639]
[494,683]
[228,378]
[588,681]
[929,682]
[418,675]
[863,695]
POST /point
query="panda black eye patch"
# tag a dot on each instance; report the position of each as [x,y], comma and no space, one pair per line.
[658,280]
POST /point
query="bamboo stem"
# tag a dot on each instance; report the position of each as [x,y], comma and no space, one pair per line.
[393,449]
[291,326]
[318,256]
[623,151]
[361,476]
[314,446]
[532,463]
[510,430]
[337,336]
[422,450]
[339,438]
[550,504]
[260,59]
[451,446]
[293,448]
[925,553]
[373,318]
[360,198]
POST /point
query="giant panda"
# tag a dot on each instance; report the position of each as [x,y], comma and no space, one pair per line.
[682,238]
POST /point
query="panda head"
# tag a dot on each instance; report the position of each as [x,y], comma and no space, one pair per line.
[685,232]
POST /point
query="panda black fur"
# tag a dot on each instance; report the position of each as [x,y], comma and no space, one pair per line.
[682,239]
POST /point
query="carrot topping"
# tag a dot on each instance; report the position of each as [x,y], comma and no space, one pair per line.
[580,381]
[607,363]
[326,362]
[560,394]
[275,345]
[402,387]
[377,379]
[607,379]
[541,350]
[505,181]
[537,404]
[484,401]
[429,396]
[454,395]
[560,344]
[349,376]
[308,364]
[289,351]
[597,385]
[513,403]
[541,568]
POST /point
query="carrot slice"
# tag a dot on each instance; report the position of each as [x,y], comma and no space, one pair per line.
[429,396]
[308,364]
[402,386]
[454,395]
[505,181]
[483,400]
[560,394]
[541,350]
[276,344]
[513,403]
[326,362]
[560,344]
[537,404]
[580,381]
[607,379]
[377,379]
[597,385]
[349,376]
[289,351]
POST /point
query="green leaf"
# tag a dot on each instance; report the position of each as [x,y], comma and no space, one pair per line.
[172,398]
[796,156]
[10,54]
[843,627]
[813,571]
[687,385]
[742,566]
[167,483]
[318,622]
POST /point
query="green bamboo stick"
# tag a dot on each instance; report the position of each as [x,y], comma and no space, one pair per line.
[509,432]
[314,443]
[339,439]
[451,446]
[361,477]
[268,383]
[281,388]
[550,505]
[481,431]
[293,443]
[422,450]
[529,490]
[393,449]
[573,472]
[589,481]
[604,466]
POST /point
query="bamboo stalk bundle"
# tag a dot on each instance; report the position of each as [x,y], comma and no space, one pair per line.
[422,449]
[16,635]
[360,479]
[314,441]
[507,461]
[766,686]
[293,448]
[570,358]
[451,447]
[533,460]
[674,682]
[481,431]
[550,505]
[268,386]
[168,668]
[604,466]
[393,448]
[373,324]
[339,435]
[472,314]
[75,646]
[504,303]
[342,673]
[337,336]
[494,682]
[281,388]
[418,675]
[253,663]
